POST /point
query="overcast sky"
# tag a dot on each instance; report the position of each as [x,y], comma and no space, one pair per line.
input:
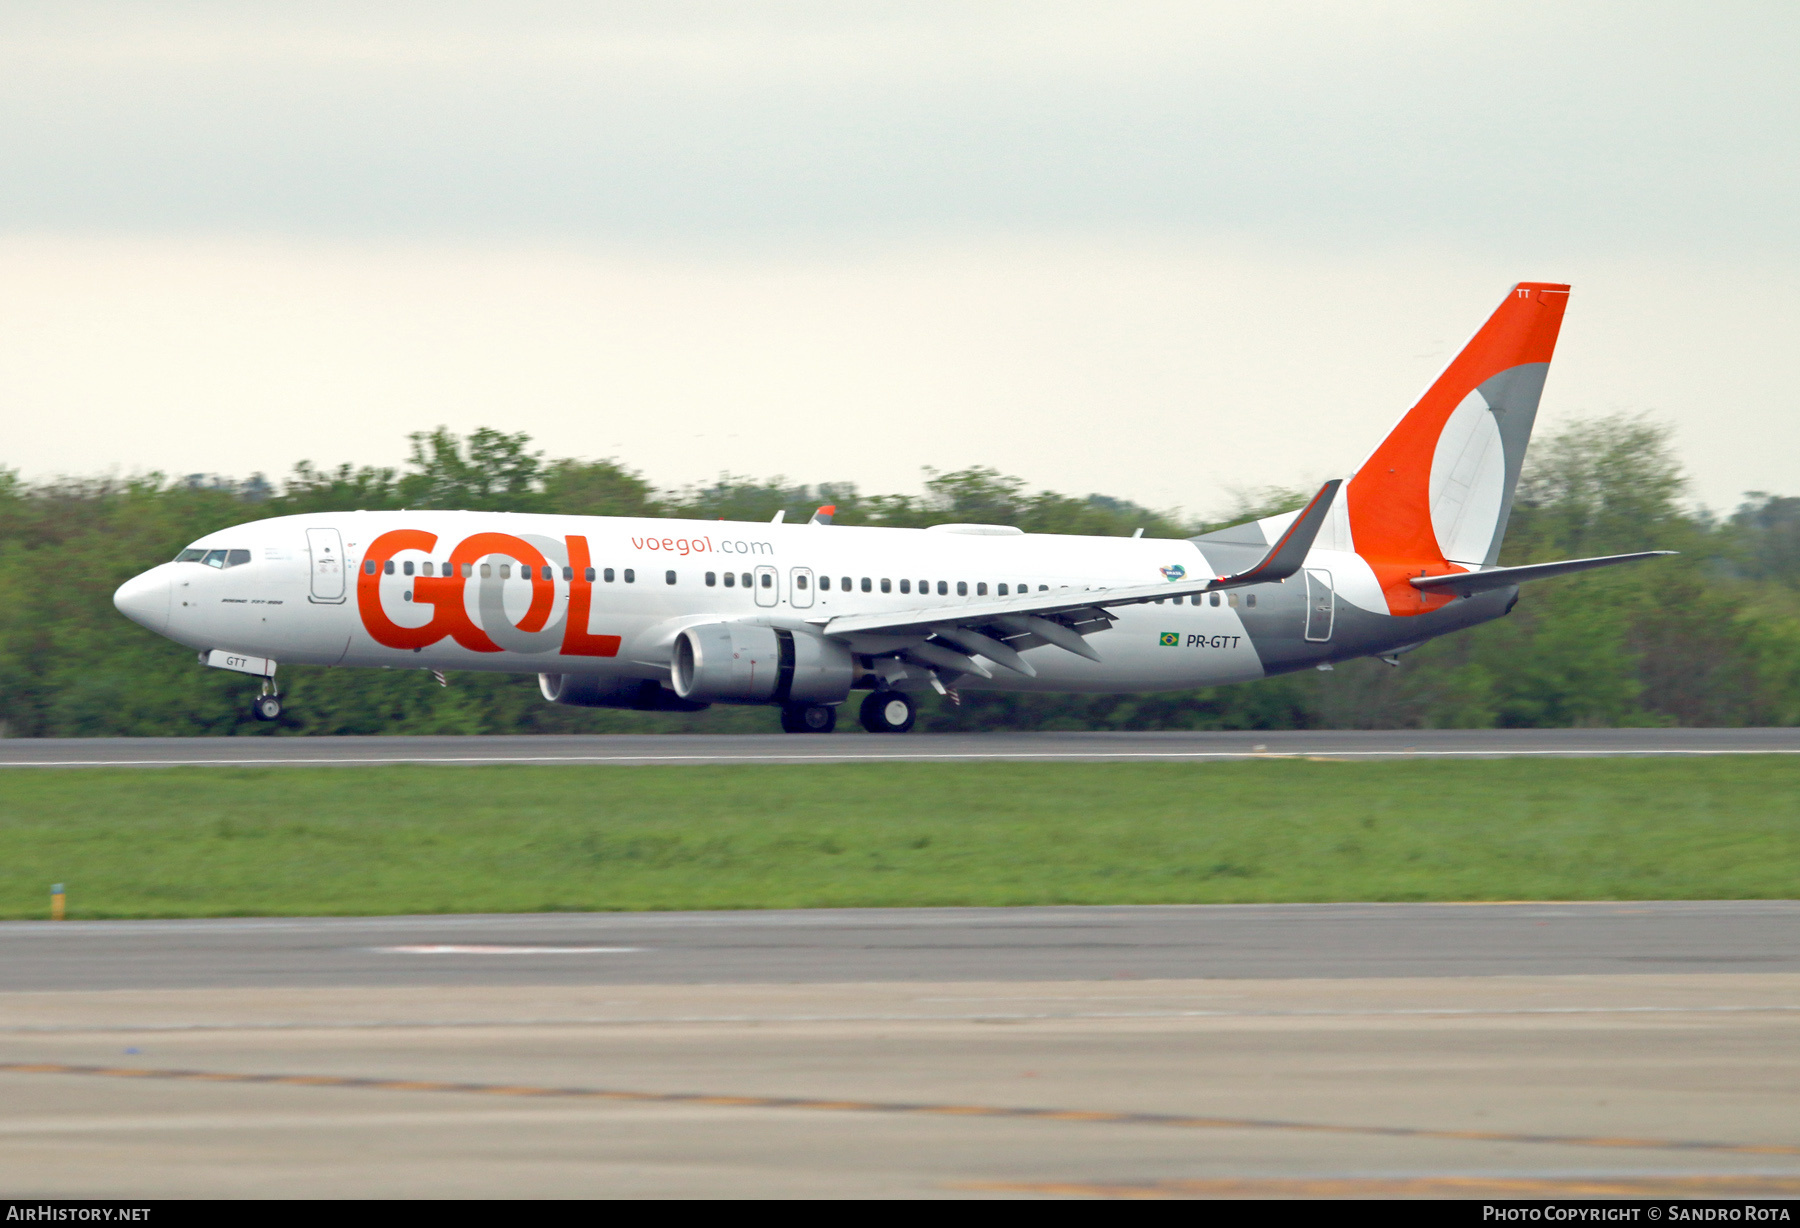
[1151,250]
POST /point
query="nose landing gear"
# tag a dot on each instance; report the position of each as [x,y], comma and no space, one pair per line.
[267,706]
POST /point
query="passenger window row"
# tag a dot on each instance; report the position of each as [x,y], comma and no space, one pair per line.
[849,584]
[505,571]
[232,558]
[868,584]
[1231,599]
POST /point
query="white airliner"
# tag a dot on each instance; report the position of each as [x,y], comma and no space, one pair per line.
[662,615]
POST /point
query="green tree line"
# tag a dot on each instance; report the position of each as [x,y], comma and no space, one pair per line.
[1711,637]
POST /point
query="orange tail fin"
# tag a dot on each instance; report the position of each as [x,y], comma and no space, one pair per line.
[1435,496]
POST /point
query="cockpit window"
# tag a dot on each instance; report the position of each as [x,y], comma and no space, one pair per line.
[214,558]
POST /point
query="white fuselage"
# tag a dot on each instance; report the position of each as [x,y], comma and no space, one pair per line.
[331,589]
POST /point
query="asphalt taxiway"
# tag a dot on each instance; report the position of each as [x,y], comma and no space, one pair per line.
[1172,942]
[1518,1050]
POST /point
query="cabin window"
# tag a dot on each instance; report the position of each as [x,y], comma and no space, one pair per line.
[844,583]
[768,579]
[487,571]
[824,584]
[1044,588]
[368,566]
[887,586]
[962,588]
[799,580]
[630,576]
[731,579]
[1215,599]
[387,568]
[406,569]
[981,589]
[1250,599]
[712,579]
[905,586]
[1000,589]
[925,587]
[506,571]
[589,575]
[1231,599]
[668,577]
[746,579]
[426,568]
[607,575]
[865,585]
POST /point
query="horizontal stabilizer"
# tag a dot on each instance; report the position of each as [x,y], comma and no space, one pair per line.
[1468,583]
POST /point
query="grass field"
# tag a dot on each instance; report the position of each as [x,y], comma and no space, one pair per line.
[213,841]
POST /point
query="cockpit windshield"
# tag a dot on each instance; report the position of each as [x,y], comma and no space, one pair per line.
[214,558]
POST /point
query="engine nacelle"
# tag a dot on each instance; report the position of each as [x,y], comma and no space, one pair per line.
[594,691]
[824,670]
[741,663]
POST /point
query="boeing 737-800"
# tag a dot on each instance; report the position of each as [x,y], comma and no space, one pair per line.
[666,615]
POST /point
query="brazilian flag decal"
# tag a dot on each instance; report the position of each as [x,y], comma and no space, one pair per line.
[1171,639]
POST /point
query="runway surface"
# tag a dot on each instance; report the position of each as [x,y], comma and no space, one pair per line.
[1517,1050]
[862,945]
[677,749]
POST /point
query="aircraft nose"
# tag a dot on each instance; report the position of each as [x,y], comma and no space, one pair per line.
[144,599]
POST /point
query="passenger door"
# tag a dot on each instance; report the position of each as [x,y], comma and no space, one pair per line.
[1321,605]
[327,550]
[800,586]
[768,586]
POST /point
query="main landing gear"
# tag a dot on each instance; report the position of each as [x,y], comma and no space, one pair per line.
[808,718]
[888,712]
[267,706]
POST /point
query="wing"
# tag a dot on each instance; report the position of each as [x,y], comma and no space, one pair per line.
[949,638]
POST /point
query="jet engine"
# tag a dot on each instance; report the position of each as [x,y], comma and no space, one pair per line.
[741,663]
[594,691]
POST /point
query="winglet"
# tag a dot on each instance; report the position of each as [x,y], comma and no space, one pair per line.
[824,514]
[1288,554]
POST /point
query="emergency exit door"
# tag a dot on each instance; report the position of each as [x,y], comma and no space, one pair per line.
[800,586]
[768,586]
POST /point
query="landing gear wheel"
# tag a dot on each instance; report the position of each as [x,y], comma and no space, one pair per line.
[266,707]
[808,718]
[888,712]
